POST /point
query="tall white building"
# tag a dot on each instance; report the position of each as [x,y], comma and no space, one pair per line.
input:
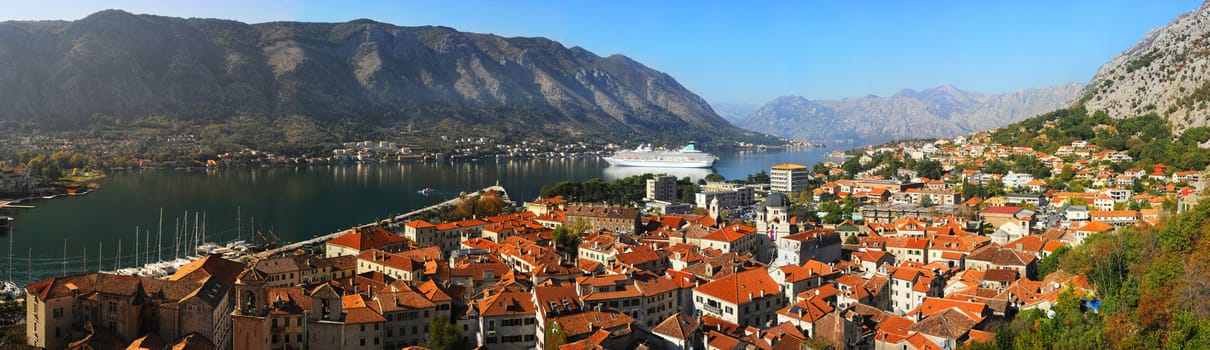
[662,188]
[789,177]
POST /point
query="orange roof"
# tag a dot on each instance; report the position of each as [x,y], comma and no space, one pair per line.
[364,238]
[1095,226]
[736,288]
[730,233]
[789,166]
[932,305]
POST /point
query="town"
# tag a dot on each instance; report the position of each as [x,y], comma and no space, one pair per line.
[832,256]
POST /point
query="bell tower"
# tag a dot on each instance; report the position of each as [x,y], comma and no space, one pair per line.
[251,296]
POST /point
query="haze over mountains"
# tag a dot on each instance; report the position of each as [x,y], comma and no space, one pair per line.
[114,64]
[943,111]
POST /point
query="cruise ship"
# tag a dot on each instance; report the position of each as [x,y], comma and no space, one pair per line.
[644,156]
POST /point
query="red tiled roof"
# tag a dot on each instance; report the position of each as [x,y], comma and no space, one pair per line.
[735,288]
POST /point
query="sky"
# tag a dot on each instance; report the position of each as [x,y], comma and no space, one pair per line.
[751,52]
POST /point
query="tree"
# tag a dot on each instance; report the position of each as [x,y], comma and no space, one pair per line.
[926,201]
[852,239]
[833,210]
[568,237]
[554,336]
[929,168]
[1051,262]
[716,177]
[996,167]
[444,335]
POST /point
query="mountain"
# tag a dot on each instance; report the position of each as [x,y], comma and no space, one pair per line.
[943,111]
[734,112]
[114,64]
[1164,73]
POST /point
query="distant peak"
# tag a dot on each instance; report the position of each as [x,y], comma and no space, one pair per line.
[110,13]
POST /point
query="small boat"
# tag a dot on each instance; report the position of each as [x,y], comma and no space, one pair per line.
[426,191]
[10,290]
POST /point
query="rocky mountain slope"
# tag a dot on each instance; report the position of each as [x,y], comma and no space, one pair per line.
[114,64]
[943,111]
[1167,73]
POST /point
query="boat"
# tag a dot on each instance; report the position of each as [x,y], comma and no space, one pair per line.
[10,290]
[645,156]
[426,191]
[4,222]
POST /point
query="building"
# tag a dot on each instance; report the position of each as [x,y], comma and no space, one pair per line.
[612,218]
[662,188]
[789,177]
[196,300]
[747,298]
[797,249]
[729,195]
[506,321]
[773,217]
[359,239]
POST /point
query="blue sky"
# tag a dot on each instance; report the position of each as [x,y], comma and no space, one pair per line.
[740,51]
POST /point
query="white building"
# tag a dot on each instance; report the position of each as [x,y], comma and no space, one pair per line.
[789,177]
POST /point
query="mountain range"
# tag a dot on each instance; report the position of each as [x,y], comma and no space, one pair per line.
[114,64]
[1167,72]
[944,111]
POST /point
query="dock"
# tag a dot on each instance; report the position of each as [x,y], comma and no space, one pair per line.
[401,217]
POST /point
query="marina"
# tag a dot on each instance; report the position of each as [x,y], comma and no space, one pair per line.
[295,204]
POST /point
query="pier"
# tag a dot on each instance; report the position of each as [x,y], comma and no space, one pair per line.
[401,217]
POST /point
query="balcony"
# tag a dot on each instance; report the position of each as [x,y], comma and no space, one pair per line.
[712,309]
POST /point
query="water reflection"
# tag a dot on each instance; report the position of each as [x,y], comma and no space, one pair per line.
[620,172]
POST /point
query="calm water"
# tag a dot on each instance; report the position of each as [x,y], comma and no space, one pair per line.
[294,203]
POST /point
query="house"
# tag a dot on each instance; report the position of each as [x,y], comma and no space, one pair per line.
[747,298]
[798,248]
[1115,217]
[363,238]
[996,257]
[997,216]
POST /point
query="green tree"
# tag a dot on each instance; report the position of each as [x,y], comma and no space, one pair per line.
[444,335]
[926,201]
[1051,262]
[852,239]
[716,177]
[929,168]
[554,336]
[834,212]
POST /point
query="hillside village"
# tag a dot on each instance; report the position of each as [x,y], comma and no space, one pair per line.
[901,262]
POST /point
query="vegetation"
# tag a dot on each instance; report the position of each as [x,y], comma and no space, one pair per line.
[568,238]
[1152,282]
[445,336]
[554,336]
[624,191]
[1147,139]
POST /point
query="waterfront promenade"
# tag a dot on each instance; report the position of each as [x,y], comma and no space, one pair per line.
[401,217]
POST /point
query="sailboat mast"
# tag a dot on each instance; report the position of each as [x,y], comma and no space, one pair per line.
[136,246]
[176,240]
[203,239]
[64,257]
[196,215]
[239,224]
[9,277]
[118,262]
[146,248]
[159,238]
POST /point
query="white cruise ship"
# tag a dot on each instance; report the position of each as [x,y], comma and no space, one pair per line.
[644,156]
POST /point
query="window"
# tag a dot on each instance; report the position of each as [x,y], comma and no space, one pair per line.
[363,341]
